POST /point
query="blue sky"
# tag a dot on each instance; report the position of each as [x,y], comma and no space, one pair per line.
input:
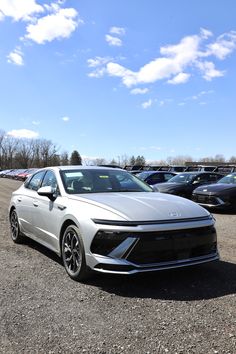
[129,77]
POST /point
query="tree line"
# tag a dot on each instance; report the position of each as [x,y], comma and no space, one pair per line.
[27,153]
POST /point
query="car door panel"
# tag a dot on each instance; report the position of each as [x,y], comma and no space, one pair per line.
[47,220]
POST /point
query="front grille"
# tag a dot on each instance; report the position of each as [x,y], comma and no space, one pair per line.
[168,246]
[205,199]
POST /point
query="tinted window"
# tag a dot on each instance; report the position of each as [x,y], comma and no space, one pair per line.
[183,178]
[213,178]
[155,178]
[207,177]
[168,176]
[35,182]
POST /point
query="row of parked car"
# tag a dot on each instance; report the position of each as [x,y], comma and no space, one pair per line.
[18,174]
[209,189]
[223,168]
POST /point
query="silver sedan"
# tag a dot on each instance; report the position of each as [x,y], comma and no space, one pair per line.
[107,220]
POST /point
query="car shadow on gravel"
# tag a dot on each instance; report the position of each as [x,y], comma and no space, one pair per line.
[43,250]
[202,282]
[206,281]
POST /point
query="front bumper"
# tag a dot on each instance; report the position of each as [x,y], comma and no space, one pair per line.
[133,251]
[212,202]
[122,267]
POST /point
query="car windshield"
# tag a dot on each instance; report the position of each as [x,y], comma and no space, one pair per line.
[182,178]
[229,179]
[101,181]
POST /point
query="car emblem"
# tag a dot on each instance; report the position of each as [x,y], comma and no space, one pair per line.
[174,214]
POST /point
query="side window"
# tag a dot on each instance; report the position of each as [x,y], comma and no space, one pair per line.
[50,180]
[203,178]
[168,176]
[35,182]
[156,178]
[213,178]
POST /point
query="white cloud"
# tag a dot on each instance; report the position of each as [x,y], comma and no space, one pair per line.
[23,133]
[16,57]
[120,31]
[58,25]
[224,45]
[177,58]
[128,76]
[209,71]
[147,104]
[65,119]
[113,41]
[181,78]
[34,122]
[153,147]
[205,33]
[98,73]
[199,95]
[98,61]
[177,62]
[139,91]
[19,9]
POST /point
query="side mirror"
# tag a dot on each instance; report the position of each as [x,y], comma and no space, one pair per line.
[47,191]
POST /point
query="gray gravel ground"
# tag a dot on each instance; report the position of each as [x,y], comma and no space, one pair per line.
[180,311]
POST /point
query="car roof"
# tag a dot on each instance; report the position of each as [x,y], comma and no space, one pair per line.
[79,167]
[199,173]
[158,172]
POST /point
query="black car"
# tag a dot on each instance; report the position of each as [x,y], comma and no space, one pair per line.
[183,184]
[220,195]
[154,177]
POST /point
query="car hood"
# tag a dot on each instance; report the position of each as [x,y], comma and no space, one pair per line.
[215,188]
[145,206]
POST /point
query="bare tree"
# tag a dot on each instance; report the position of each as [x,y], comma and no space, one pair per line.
[64,158]
[100,161]
[10,146]
[219,158]
[24,155]
[178,160]
[232,159]
[47,151]
[2,136]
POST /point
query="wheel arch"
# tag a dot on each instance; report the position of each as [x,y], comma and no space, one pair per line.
[66,223]
[11,209]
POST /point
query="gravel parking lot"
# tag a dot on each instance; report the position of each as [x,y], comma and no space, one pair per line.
[42,310]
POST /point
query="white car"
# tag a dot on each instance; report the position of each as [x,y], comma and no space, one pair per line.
[107,220]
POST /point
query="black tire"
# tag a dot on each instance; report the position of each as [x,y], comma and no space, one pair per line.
[16,234]
[73,254]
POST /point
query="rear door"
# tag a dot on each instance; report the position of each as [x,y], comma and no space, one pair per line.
[26,207]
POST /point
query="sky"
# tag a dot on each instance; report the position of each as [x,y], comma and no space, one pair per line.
[120,78]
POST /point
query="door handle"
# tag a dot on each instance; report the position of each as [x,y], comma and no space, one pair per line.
[36,204]
[19,199]
[61,207]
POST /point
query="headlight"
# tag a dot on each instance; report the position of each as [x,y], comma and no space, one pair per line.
[105,241]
